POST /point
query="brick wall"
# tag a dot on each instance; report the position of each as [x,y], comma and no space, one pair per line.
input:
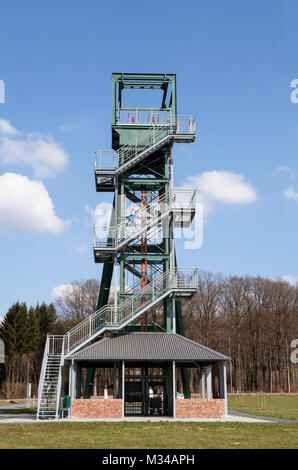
[200,408]
[96,408]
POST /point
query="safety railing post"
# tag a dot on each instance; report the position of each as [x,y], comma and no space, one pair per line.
[115,314]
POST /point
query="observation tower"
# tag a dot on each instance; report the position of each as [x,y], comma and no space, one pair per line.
[137,330]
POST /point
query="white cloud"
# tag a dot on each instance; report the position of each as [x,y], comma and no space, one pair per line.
[46,157]
[289,193]
[25,206]
[63,289]
[7,128]
[224,187]
[290,279]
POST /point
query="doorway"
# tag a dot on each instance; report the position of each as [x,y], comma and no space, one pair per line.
[147,396]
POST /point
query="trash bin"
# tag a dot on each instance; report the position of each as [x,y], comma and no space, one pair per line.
[66,401]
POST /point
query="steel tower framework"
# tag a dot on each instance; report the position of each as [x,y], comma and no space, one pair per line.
[137,247]
[140,173]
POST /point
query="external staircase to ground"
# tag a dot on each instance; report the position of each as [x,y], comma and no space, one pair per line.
[182,283]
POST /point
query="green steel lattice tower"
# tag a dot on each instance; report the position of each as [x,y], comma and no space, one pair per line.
[138,246]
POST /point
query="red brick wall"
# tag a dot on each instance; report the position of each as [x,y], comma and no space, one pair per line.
[200,408]
[96,408]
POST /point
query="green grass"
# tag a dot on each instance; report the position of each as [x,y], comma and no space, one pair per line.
[148,435]
[276,406]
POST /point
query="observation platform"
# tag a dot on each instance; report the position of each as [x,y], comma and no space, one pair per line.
[158,131]
[181,204]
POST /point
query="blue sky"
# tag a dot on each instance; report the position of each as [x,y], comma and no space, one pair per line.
[234,62]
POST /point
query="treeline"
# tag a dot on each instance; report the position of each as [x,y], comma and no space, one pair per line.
[24,331]
[250,319]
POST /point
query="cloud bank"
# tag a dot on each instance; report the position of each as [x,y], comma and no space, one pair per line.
[42,153]
[222,187]
[25,206]
[290,194]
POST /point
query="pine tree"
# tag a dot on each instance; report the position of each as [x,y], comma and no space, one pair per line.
[46,315]
[34,334]
[14,330]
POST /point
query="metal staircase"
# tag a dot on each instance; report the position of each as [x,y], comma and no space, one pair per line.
[182,283]
[108,242]
[110,163]
[143,245]
[49,390]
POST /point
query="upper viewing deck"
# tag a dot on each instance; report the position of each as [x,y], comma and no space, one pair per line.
[140,101]
[160,92]
[139,130]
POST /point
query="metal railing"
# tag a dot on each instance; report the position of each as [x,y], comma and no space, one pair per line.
[106,159]
[184,124]
[49,387]
[56,345]
[59,382]
[142,116]
[151,138]
[42,374]
[108,317]
[111,316]
[143,219]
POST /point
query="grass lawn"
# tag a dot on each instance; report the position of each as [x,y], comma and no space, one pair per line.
[149,436]
[277,406]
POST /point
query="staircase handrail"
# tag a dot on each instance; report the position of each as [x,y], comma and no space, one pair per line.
[167,203]
[42,373]
[175,125]
[109,315]
[59,384]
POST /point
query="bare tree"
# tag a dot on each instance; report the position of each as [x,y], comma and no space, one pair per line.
[77,300]
[202,310]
